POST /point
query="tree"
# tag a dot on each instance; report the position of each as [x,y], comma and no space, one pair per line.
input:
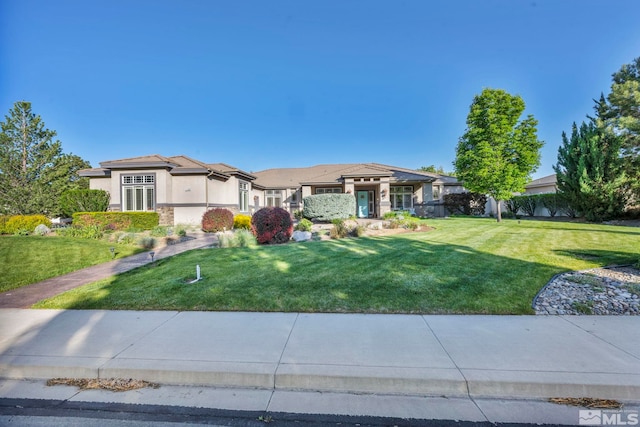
[497,154]
[590,171]
[439,170]
[33,169]
[620,112]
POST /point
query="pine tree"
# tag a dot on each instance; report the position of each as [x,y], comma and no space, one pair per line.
[590,171]
[33,169]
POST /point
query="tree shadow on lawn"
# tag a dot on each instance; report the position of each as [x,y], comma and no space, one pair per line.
[400,274]
[602,257]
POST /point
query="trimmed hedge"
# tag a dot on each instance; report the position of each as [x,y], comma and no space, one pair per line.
[117,220]
[84,200]
[272,225]
[465,203]
[217,219]
[15,224]
[327,207]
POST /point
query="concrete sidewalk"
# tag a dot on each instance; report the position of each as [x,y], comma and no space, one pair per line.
[454,356]
[26,296]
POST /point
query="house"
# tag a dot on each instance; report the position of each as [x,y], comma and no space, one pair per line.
[546,184]
[378,188]
[181,189]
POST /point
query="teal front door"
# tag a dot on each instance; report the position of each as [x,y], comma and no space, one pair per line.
[363,204]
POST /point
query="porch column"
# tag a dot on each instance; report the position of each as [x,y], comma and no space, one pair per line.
[349,186]
[385,203]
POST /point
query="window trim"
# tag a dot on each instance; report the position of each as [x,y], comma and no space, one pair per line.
[328,190]
[402,191]
[243,196]
[136,185]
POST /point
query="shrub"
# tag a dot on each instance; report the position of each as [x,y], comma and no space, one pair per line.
[241,238]
[117,220]
[42,230]
[181,230]
[552,202]
[465,203]
[272,225]
[513,206]
[339,230]
[88,232]
[217,219]
[160,231]
[298,214]
[304,225]
[3,222]
[84,200]
[242,221]
[528,203]
[147,242]
[327,207]
[24,224]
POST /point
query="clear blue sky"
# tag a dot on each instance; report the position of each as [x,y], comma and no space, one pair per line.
[274,83]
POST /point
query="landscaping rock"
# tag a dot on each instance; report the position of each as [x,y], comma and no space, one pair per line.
[301,236]
[600,291]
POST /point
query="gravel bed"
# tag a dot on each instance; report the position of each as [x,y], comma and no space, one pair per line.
[601,291]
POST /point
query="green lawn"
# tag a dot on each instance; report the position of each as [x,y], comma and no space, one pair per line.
[30,259]
[464,265]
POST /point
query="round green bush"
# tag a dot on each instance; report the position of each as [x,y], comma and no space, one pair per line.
[272,225]
[218,219]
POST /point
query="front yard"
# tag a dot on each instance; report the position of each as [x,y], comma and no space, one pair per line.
[463,265]
[30,259]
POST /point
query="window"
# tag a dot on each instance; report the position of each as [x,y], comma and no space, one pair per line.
[138,193]
[401,198]
[328,190]
[274,198]
[436,192]
[243,190]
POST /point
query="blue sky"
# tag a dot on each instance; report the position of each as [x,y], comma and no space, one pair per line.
[275,83]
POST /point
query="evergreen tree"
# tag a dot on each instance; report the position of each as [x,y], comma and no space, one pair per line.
[498,153]
[620,113]
[590,171]
[33,169]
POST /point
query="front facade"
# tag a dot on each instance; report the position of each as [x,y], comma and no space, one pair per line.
[181,189]
[378,188]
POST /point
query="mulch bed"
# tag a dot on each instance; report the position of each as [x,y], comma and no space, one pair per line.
[112,384]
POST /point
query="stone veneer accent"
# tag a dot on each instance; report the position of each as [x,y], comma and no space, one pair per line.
[166,215]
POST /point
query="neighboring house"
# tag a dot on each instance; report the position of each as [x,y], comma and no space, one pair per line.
[181,189]
[546,184]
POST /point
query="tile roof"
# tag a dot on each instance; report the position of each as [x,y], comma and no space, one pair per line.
[333,174]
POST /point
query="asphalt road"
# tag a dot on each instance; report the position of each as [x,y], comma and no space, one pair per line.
[52,413]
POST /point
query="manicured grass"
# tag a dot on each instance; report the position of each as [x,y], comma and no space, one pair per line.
[463,266]
[30,259]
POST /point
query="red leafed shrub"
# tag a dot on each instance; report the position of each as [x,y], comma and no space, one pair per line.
[217,219]
[272,225]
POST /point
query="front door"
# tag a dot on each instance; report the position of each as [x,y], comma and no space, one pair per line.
[363,204]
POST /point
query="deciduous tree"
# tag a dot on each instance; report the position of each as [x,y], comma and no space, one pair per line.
[498,152]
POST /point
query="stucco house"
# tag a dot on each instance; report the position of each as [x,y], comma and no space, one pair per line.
[181,189]
[546,184]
